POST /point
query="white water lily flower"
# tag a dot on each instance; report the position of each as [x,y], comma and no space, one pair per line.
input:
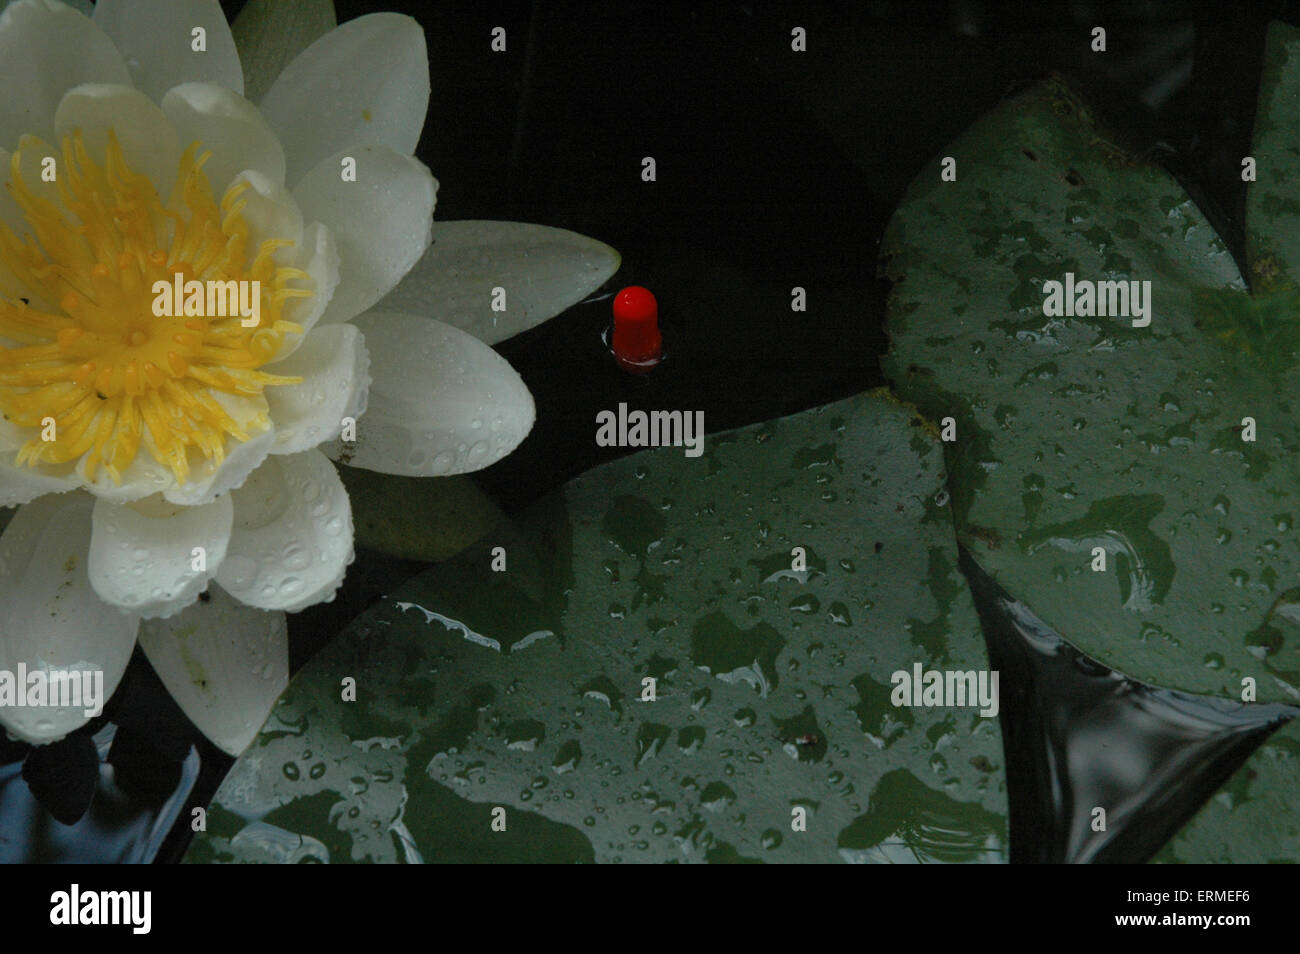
[159,457]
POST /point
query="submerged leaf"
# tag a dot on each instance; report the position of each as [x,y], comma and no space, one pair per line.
[417,518]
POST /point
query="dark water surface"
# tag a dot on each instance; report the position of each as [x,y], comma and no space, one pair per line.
[1078,735]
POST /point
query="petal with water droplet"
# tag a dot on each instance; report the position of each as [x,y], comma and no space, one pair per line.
[51,619]
[292,537]
[154,557]
[441,401]
[335,370]
[542,270]
[380,221]
[365,82]
[223,662]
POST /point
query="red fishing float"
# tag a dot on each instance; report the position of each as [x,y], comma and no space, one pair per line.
[636,342]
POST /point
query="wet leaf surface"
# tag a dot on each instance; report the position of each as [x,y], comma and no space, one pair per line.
[1079,435]
[523,689]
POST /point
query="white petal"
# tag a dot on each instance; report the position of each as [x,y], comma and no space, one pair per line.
[141,478]
[50,617]
[380,222]
[364,82]
[319,258]
[206,481]
[20,484]
[45,50]
[334,366]
[228,125]
[142,554]
[156,37]
[224,663]
[270,33]
[148,141]
[441,401]
[271,213]
[543,271]
[292,540]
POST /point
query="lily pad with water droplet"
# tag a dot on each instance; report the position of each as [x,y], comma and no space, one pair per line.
[763,711]
[1079,436]
[1273,201]
[1085,437]
[1254,817]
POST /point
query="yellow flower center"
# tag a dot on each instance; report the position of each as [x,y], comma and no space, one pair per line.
[87,362]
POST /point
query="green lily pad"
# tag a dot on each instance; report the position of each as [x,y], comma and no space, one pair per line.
[1081,433]
[1254,817]
[1273,201]
[524,689]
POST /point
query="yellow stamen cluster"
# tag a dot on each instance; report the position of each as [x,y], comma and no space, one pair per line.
[84,347]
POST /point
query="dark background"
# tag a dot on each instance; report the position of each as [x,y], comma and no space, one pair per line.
[775,169]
